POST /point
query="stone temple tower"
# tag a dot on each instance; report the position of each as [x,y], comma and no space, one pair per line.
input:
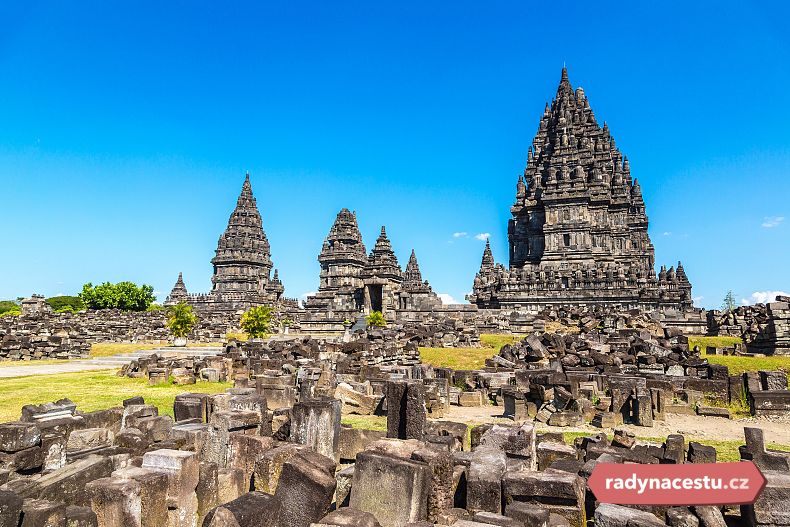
[242,275]
[578,232]
[243,257]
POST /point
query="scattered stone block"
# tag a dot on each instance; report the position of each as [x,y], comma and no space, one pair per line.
[116,501]
[566,418]
[80,517]
[253,509]
[182,470]
[316,424]
[713,411]
[355,402]
[349,517]
[470,399]
[710,516]
[559,492]
[681,517]
[306,488]
[528,514]
[772,507]
[268,467]
[623,438]
[43,513]
[489,518]
[699,453]
[152,494]
[10,508]
[674,449]
[548,452]
[611,515]
[230,484]
[440,466]
[484,480]
[18,435]
[374,477]
[405,409]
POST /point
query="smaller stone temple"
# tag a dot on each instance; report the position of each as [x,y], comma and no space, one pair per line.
[354,284]
[242,265]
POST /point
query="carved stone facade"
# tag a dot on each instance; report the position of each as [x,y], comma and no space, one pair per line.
[354,284]
[242,265]
[578,232]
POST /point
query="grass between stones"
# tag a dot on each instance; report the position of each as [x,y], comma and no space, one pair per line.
[726,450]
[718,342]
[467,358]
[738,365]
[91,390]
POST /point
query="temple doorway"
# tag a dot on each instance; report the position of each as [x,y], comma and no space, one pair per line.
[375,294]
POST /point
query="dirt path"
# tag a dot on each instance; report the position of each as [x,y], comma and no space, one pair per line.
[67,366]
[691,426]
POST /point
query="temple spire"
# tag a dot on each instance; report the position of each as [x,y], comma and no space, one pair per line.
[178,293]
[412,274]
[488,257]
[243,243]
[382,260]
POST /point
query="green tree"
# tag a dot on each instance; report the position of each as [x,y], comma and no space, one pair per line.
[60,304]
[10,308]
[729,302]
[257,321]
[123,295]
[376,320]
[181,319]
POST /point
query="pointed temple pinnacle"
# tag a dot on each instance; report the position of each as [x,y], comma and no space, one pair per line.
[564,73]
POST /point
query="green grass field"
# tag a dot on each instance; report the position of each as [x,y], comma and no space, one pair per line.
[467,358]
[738,365]
[91,390]
[718,342]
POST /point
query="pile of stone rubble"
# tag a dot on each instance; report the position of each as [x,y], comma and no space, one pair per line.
[627,375]
[239,458]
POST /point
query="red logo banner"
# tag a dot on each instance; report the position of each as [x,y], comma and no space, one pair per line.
[685,484]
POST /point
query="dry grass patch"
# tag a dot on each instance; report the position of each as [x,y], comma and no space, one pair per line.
[108,349]
[456,358]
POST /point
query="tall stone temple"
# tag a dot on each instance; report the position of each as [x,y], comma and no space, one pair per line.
[242,265]
[354,283]
[578,232]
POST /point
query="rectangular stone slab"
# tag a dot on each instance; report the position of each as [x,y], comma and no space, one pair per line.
[394,490]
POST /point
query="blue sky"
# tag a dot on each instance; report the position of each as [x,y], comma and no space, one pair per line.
[126,129]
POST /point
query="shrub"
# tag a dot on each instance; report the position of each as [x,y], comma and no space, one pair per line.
[376,320]
[257,321]
[181,319]
[9,307]
[123,295]
[65,303]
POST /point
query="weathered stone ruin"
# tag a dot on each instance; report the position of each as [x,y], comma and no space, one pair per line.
[578,235]
[627,376]
[354,283]
[242,265]
[261,455]
[43,334]
[763,328]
